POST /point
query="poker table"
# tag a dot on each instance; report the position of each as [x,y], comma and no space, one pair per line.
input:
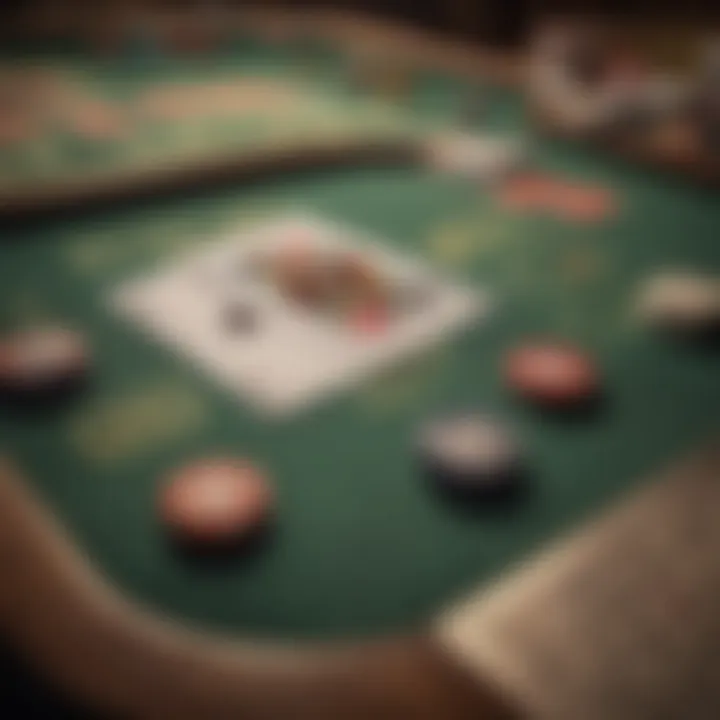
[361,544]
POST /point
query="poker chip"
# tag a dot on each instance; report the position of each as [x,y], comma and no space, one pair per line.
[552,375]
[42,359]
[536,192]
[473,157]
[680,302]
[526,191]
[215,502]
[471,455]
[580,204]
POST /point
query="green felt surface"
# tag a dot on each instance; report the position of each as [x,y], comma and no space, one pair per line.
[327,109]
[362,544]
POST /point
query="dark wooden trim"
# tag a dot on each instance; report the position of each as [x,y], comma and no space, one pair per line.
[162,181]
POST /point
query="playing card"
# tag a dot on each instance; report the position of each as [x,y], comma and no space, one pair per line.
[284,355]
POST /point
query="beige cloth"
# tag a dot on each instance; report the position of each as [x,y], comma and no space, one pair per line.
[619,623]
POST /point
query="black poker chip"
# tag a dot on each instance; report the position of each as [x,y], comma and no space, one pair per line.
[42,362]
[471,456]
[681,302]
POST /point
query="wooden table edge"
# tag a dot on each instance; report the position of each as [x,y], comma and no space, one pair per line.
[115,658]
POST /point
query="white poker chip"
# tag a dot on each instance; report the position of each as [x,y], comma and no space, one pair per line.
[473,156]
[470,452]
[41,357]
[680,301]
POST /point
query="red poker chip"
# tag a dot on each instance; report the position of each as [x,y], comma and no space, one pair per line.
[526,192]
[215,502]
[41,357]
[581,204]
[552,374]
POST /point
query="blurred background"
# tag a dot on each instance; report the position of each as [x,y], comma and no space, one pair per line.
[73,122]
[503,22]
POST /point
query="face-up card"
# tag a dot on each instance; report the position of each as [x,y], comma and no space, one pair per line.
[230,310]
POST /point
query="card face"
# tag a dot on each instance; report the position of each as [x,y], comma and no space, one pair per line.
[221,308]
